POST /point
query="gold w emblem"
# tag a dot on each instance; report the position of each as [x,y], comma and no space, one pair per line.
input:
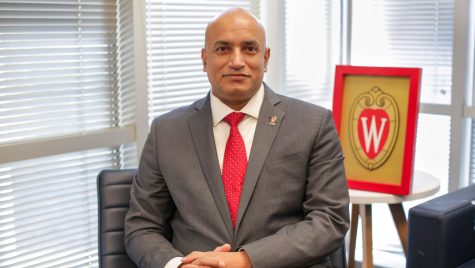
[374,126]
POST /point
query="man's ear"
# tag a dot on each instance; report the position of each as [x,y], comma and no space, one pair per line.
[203,58]
[266,58]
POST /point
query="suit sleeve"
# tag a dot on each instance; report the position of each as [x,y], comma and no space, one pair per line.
[147,229]
[325,208]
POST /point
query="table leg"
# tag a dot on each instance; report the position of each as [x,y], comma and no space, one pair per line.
[355,212]
[365,212]
[400,221]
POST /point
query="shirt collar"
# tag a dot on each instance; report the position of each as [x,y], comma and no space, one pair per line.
[219,110]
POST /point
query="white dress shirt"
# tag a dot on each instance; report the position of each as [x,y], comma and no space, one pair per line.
[247,128]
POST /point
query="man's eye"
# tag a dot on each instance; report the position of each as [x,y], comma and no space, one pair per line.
[251,49]
[221,49]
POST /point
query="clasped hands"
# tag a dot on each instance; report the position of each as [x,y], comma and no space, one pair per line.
[220,257]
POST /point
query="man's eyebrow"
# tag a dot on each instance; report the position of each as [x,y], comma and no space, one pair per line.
[221,43]
[250,43]
[244,43]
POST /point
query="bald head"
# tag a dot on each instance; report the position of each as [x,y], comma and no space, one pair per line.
[235,56]
[237,16]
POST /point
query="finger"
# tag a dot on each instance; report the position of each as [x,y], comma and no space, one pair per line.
[193,266]
[209,261]
[192,256]
[223,248]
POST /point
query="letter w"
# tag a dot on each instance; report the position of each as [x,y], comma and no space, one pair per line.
[372,134]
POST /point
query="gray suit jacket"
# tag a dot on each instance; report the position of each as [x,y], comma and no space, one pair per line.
[294,205]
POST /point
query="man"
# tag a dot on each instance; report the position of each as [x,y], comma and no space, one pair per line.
[243,177]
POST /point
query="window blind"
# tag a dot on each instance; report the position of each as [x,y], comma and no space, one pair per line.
[56,70]
[312,49]
[126,109]
[58,76]
[407,33]
[412,33]
[48,209]
[175,35]
[126,63]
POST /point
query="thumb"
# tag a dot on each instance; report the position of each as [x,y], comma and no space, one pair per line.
[223,248]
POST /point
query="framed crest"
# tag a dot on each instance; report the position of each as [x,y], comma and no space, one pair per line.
[375,111]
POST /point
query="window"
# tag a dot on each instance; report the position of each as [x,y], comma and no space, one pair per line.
[467,68]
[407,33]
[57,60]
[304,53]
[49,209]
[419,34]
[411,33]
[62,119]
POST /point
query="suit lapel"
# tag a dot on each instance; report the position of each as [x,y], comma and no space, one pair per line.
[202,133]
[263,139]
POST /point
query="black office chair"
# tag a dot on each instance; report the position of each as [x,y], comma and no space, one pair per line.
[113,191]
[442,231]
[113,188]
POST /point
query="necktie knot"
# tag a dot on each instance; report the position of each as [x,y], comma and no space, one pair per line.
[234,118]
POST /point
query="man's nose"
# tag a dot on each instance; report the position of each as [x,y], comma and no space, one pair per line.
[236,61]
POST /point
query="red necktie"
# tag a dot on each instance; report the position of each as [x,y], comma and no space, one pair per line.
[234,164]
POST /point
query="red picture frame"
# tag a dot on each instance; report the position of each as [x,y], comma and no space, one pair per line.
[375,111]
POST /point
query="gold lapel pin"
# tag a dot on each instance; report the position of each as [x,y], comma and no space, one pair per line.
[273,120]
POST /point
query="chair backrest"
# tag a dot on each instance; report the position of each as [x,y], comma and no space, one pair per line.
[113,187]
[441,231]
[338,257]
[113,191]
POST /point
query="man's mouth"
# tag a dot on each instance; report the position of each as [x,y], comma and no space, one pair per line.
[236,75]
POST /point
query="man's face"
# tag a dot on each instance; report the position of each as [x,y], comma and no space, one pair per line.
[235,58]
